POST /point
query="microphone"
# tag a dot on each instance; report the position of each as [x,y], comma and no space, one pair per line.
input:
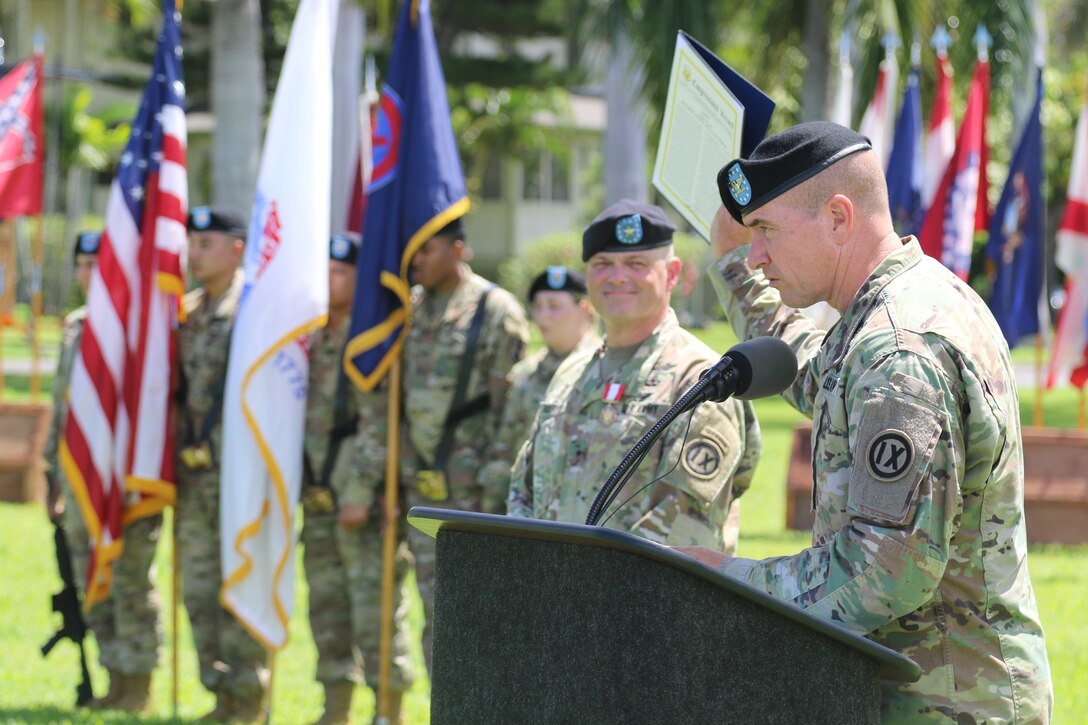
[755,368]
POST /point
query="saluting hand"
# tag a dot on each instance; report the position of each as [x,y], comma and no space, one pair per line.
[726,234]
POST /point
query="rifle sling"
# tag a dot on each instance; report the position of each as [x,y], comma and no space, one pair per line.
[459,410]
[343,427]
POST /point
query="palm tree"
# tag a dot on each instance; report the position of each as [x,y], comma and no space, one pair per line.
[641,35]
[238,100]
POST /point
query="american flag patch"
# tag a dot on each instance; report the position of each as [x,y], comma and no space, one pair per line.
[613,392]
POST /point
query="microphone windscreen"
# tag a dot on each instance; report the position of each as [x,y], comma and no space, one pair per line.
[765,366]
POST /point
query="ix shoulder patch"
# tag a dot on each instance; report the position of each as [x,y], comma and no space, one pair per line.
[703,458]
[890,455]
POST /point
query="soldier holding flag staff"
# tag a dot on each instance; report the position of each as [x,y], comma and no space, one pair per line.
[231,661]
[343,473]
[126,624]
[466,335]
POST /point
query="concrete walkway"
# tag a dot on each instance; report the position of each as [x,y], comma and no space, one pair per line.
[46,366]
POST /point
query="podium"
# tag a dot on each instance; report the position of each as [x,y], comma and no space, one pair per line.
[545,622]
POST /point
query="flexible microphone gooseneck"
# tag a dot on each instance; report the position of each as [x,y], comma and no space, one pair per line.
[752,369]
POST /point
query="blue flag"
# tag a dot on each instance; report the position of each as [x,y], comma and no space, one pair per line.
[1016,235]
[416,188]
[904,173]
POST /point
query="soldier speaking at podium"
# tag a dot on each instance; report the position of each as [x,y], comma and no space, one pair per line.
[918,541]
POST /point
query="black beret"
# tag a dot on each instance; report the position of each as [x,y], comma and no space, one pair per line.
[455,228]
[558,279]
[627,226]
[344,247]
[783,161]
[217,219]
[87,243]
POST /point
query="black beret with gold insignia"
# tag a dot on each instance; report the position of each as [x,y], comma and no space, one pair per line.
[627,226]
[783,161]
[217,219]
[344,247]
[558,279]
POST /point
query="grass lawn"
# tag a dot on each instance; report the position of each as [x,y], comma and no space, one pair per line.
[15,346]
[36,690]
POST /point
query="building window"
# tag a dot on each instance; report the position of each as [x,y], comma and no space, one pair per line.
[491,184]
[546,178]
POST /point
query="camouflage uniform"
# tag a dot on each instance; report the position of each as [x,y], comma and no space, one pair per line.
[126,625]
[231,661]
[528,382]
[344,567]
[580,439]
[919,539]
[432,356]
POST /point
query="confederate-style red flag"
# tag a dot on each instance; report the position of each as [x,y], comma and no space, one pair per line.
[22,157]
[118,446]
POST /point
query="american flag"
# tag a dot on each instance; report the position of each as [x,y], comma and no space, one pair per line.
[118,447]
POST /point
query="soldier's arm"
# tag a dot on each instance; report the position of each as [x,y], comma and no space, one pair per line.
[363,484]
[904,501]
[495,474]
[754,308]
[68,350]
[519,501]
[507,339]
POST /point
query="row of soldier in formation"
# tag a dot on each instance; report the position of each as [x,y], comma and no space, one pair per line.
[918,541]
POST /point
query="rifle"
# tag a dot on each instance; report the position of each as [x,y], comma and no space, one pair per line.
[66,601]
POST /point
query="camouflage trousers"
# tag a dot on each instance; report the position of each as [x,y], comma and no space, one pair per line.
[126,625]
[344,572]
[464,495]
[231,661]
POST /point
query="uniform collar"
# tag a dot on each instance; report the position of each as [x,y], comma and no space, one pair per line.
[869,294]
[225,304]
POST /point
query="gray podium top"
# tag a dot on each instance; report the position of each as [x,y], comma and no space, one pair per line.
[429,520]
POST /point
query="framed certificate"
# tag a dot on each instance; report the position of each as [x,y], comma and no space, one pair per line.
[712,115]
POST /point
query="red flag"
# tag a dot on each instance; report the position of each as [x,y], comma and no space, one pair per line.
[941,138]
[22,157]
[959,206]
[1069,361]
[118,447]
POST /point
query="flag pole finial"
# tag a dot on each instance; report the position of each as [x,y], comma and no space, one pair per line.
[941,41]
[983,41]
[891,43]
[845,47]
[916,52]
[37,42]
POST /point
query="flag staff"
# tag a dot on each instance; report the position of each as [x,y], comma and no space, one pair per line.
[389,541]
[5,231]
[175,590]
[940,41]
[1039,419]
[983,41]
[36,263]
